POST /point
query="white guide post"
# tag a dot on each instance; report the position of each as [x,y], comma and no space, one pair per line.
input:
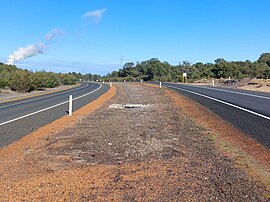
[70,105]
[213,82]
[159,84]
[110,84]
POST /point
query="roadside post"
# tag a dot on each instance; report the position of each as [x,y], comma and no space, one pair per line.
[70,105]
[159,84]
[110,84]
[141,81]
[213,82]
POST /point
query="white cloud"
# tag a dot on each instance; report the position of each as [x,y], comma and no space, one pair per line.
[96,15]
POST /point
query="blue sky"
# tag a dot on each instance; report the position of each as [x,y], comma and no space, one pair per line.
[90,36]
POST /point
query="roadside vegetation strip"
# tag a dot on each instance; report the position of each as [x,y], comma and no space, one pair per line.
[39,93]
[252,157]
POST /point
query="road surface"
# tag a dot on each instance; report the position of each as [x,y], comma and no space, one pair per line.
[19,118]
[247,110]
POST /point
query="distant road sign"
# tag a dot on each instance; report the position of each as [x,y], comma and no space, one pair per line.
[184,74]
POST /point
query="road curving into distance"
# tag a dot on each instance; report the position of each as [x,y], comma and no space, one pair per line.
[247,110]
[19,118]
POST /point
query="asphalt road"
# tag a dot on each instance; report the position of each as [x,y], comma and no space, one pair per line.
[19,118]
[247,110]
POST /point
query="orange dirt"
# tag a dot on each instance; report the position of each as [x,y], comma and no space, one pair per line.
[224,130]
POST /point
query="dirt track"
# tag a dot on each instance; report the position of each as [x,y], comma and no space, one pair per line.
[153,153]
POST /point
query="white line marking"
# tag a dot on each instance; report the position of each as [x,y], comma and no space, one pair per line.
[42,110]
[220,101]
[235,92]
[48,96]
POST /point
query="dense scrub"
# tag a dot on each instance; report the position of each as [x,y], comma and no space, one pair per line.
[25,81]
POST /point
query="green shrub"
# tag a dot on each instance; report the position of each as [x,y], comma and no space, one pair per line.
[41,80]
[20,81]
[67,79]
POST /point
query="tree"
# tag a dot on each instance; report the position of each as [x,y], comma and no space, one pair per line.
[186,63]
[41,80]
[265,58]
[220,60]
[20,81]
[67,79]
[155,70]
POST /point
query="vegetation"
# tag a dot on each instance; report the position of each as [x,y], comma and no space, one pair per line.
[155,70]
[86,77]
[25,81]
[151,70]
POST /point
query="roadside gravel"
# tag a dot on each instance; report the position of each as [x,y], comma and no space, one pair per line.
[149,153]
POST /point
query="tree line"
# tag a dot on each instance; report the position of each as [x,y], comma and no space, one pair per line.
[87,76]
[155,70]
[151,70]
[21,80]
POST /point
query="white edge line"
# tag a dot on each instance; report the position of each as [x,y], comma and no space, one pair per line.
[228,91]
[42,110]
[226,103]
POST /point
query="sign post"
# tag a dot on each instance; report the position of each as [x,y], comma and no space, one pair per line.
[184,78]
